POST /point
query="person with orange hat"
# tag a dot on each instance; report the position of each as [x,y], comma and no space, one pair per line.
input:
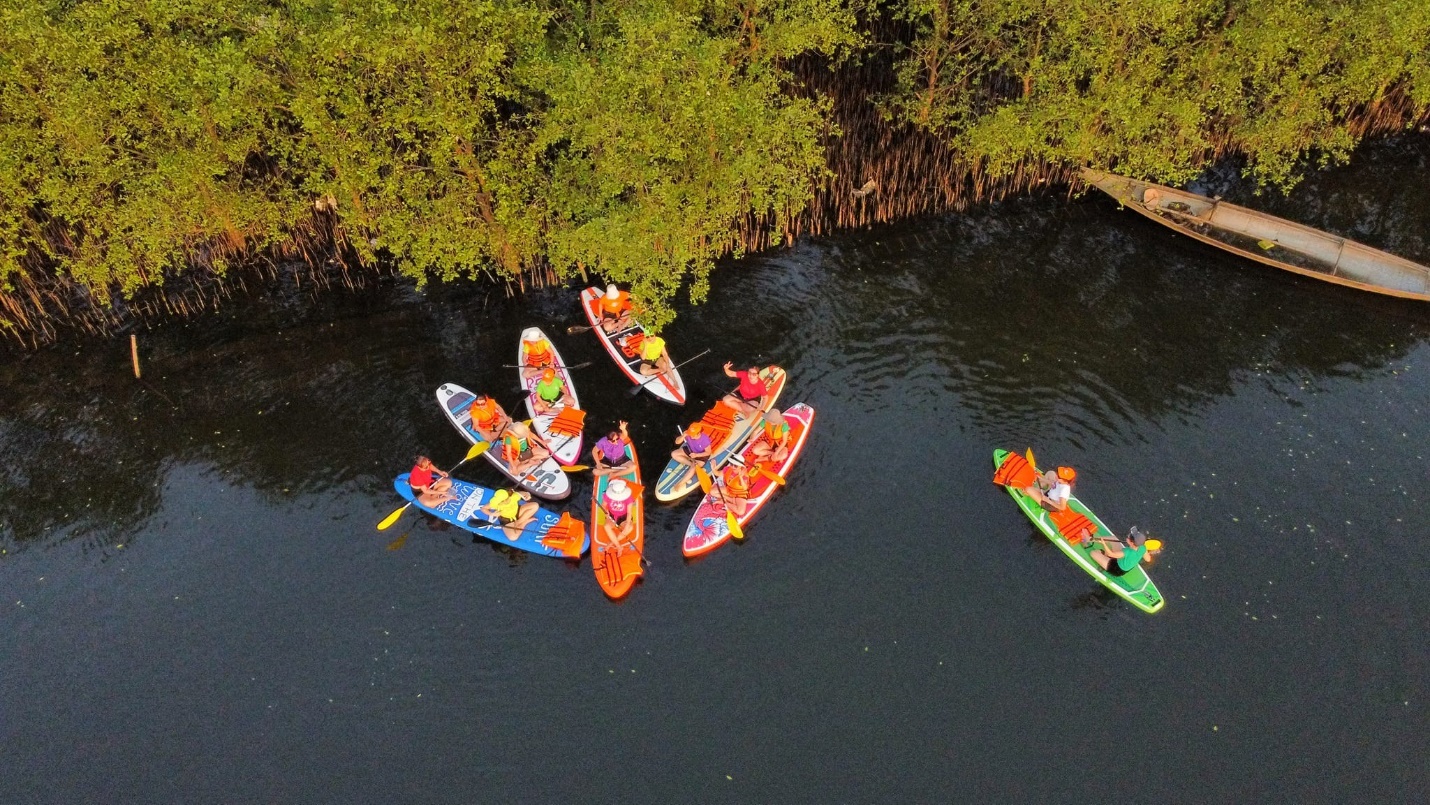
[615,308]
[487,418]
[1119,559]
[538,353]
[550,392]
[1053,488]
[693,446]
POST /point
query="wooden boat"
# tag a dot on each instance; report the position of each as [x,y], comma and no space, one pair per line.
[1268,239]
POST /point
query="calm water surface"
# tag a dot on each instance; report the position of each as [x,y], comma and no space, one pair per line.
[198,608]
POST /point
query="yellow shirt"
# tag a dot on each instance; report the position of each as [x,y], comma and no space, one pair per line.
[651,348]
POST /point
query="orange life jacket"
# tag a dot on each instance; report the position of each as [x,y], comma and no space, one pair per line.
[737,484]
[616,306]
[1015,471]
[1071,524]
[483,416]
[539,355]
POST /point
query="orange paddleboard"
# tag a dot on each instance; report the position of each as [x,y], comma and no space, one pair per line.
[618,562]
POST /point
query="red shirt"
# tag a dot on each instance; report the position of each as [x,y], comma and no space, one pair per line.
[751,386]
[419,477]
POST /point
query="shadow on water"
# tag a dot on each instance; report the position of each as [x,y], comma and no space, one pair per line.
[1037,316]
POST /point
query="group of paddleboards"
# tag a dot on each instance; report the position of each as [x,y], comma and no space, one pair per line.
[738,453]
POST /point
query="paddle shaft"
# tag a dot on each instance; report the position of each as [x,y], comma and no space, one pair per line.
[392,518]
[641,384]
[554,366]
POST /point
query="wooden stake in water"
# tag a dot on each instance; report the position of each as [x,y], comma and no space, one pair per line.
[134,353]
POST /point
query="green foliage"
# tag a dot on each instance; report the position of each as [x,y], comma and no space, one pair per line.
[1155,88]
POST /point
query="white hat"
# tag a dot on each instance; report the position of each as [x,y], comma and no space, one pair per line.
[612,292]
[617,490]
[531,334]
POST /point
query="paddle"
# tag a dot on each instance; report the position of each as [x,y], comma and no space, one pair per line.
[477,450]
[768,473]
[735,530]
[554,366]
[617,544]
[637,390]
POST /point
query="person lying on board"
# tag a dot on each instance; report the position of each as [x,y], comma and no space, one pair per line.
[654,359]
[488,418]
[694,446]
[735,488]
[539,354]
[615,308]
[612,453]
[1119,559]
[1052,489]
[618,503]
[772,444]
[512,509]
[521,449]
[431,486]
[749,397]
[550,392]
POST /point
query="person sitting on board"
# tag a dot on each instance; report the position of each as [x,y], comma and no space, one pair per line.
[615,307]
[550,392]
[1119,559]
[735,487]
[432,486]
[771,446]
[1052,489]
[694,446]
[512,509]
[487,417]
[654,359]
[749,398]
[618,504]
[612,453]
[522,449]
[538,351]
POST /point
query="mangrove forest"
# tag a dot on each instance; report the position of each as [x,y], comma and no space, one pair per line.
[158,156]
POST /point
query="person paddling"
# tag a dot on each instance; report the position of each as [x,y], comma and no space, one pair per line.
[512,509]
[618,502]
[487,417]
[550,393]
[612,453]
[694,446]
[1052,489]
[1119,559]
[735,487]
[615,309]
[749,398]
[539,354]
[432,486]
[522,449]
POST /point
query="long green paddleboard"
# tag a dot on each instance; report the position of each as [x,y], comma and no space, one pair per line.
[1135,586]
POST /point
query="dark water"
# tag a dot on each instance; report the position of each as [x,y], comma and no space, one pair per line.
[197,607]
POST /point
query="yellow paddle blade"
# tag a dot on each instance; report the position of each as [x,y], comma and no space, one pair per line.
[392,518]
[735,530]
[1031,462]
[477,450]
[575,468]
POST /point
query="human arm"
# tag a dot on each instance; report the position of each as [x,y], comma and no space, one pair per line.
[728,371]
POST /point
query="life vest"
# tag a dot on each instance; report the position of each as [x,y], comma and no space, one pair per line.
[506,504]
[483,416]
[737,484]
[776,432]
[538,354]
[512,447]
[1071,524]
[615,307]
[651,348]
[1015,471]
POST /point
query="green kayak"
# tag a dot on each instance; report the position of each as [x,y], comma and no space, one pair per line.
[1135,586]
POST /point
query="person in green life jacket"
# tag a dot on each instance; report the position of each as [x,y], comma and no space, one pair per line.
[512,509]
[1119,559]
[550,393]
[521,449]
[613,453]
[654,359]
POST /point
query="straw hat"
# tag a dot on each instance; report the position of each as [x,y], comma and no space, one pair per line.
[617,490]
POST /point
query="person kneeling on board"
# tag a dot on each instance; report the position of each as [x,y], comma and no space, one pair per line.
[694,446]
[1119,559]
[617,503]
[612,453]
[735,487]
[432,486]
[749,397]
[1052,489]
[550,392]
[654,359]
[522,449]
[615,310]
[512,509]
[487,417]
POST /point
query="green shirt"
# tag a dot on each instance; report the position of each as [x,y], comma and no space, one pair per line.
[1131,556]
[550,392]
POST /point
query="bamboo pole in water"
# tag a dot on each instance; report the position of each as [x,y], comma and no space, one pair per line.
[134,353]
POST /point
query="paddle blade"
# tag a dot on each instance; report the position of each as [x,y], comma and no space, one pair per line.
[1029,455]
[773,476]
[575,468]
[577,328]
[391,518]
[704,478]
[634,390]
[477,450]
[735,530]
